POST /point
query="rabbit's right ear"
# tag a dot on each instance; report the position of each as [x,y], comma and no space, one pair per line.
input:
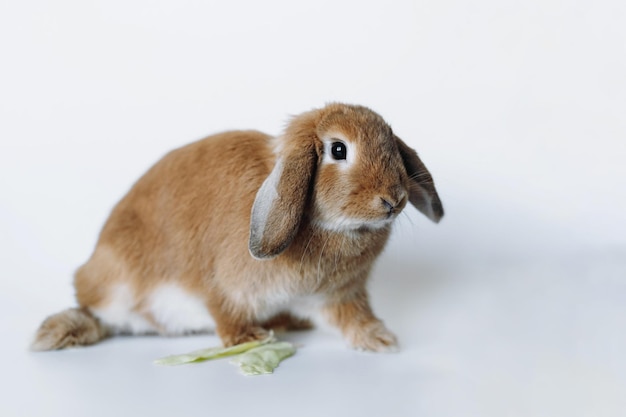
[422,192]
[280,202]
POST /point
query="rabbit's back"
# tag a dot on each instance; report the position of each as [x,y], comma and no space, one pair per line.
[167,232]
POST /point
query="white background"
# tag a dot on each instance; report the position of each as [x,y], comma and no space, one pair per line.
[513,306]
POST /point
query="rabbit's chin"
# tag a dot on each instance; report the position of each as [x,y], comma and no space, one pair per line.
[343,224]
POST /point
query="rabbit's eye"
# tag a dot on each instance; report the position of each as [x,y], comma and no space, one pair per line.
[338,150]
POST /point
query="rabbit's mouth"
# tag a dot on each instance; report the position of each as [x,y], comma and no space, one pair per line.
[378,212]
[386,220]
[347,224]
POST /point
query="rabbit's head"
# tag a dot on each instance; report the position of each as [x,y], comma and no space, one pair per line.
[343,167]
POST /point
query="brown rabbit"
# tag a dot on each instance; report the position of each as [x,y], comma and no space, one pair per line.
[235,232]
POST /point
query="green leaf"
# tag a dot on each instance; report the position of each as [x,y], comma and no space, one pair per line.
[212,353]
[264,359]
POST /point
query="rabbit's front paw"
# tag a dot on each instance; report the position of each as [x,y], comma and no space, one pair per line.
[374,337]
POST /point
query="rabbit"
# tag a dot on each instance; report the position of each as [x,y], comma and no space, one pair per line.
[236,232]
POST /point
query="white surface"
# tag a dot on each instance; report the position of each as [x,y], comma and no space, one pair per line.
[512,306]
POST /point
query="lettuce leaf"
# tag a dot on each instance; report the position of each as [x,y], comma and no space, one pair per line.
[212,353]
[264,359]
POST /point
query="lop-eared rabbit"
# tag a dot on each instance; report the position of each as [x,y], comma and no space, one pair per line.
[236,232]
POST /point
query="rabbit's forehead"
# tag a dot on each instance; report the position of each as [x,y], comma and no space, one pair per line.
[362,134]
[356,124]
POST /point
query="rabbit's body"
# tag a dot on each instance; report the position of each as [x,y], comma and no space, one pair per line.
[174,257]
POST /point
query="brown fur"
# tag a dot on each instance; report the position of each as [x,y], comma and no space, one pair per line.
[188,220]
[71,327]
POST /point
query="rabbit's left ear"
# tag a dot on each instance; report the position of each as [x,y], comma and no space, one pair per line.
[280,202]
[422,192]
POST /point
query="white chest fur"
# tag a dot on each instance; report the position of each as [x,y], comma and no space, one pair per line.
[264,305]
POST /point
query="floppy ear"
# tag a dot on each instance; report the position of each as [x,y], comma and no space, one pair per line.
[280,202]
[422,192]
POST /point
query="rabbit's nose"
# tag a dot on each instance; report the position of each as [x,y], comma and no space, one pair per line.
[394,202]
[388,206]
[391,205]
